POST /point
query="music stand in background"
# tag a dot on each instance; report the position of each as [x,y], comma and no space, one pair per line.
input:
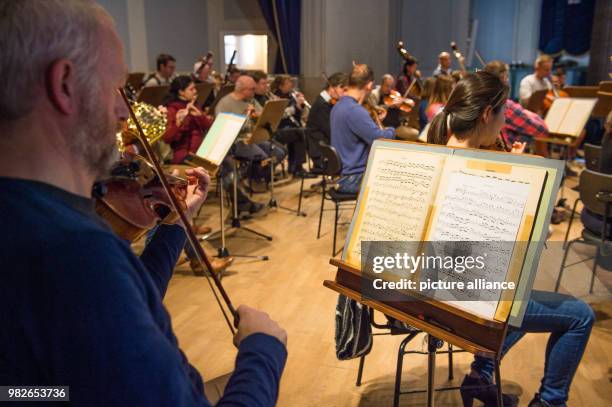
[153,95]
[210,155]
[535,101]
[266,126]
[204,90]
[135,80]
[224,91]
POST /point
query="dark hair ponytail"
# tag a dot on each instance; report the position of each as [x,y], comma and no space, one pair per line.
[465,106]
[179,83]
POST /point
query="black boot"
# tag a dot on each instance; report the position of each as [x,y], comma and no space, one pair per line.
[481,389]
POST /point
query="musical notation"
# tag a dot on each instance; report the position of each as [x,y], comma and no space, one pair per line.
[400,193]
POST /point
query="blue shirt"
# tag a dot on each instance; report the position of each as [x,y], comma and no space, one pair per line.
[352,133]
[79,309]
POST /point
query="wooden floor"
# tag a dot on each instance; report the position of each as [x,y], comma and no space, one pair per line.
[290,288]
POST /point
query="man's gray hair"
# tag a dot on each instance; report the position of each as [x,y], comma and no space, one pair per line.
[33,34]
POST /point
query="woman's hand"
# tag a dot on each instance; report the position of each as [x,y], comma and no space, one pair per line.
[518,148]
[180,116]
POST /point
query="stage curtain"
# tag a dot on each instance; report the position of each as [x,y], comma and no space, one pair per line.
[284,21]
[565,25]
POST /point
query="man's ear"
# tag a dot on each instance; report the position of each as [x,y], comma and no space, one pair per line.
[60,86]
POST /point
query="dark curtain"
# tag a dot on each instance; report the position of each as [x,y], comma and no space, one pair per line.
[287,34]
[565,25]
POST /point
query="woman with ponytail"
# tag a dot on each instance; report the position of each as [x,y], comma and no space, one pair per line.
[473,118]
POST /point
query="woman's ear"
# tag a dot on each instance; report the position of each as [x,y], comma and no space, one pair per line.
[487,115]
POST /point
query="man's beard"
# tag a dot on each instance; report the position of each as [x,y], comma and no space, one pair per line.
[95,141]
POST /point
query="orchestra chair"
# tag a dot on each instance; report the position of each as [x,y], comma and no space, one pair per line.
[592,155]
[595,191]
[313,171]
[411,333]
[332,167]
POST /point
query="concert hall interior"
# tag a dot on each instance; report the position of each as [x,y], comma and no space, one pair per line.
[200,201]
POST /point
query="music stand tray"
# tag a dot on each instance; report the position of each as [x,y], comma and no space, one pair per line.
[153,95]
[204,90]
[268,121]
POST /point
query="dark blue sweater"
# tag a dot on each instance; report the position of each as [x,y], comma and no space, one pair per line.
[78,308]
[352,133]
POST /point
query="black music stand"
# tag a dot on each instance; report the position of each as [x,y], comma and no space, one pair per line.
[266,126]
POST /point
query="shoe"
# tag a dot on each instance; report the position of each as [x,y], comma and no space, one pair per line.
[255,207]
[538,402]
[202,230]
[481,389]
[219,264]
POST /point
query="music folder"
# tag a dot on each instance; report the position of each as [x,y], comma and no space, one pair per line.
[217,142]
[268,120]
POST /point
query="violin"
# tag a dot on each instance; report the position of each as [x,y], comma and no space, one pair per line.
[334,99]
[374,112]
[394,97]
[139,195]
[132,199]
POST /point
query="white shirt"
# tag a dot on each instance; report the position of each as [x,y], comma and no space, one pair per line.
[531,84]
[157,80]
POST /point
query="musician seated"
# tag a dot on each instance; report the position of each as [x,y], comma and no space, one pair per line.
[442,88]
[444,65]
[473,117]
[377,98]
[558,78]
[240,102]
[318,119]
[166,64]
[428,85]
[536,81]
[521,125]
[85,311]
[290,128]
[353,130]
[186,124]
[409,74]
[202,74]
[592,221]
[232,75]
[262,87]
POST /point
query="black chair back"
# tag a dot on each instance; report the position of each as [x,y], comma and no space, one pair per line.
[591,184]
[330,160]
[592,156]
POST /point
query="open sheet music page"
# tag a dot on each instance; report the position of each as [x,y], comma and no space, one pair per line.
[556,114]
[487,207]
[577,116]
[396,199]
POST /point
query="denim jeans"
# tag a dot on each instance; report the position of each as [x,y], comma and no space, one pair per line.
[569,321]
[350,184]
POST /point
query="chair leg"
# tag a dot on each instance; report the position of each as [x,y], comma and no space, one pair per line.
[594,270]
[398,373]
[299,209]
[451,375]
[563,264]
[321,212]
[335,229]
[569,225]
[360,371]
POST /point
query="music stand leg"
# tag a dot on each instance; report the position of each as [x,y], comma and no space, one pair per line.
[500,399]
[431,368]
[273,203]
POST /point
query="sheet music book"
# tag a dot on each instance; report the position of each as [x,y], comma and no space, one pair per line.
[417,193]
[218,140]
[567,116]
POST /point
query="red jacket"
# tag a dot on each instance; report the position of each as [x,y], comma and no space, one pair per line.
[187,137]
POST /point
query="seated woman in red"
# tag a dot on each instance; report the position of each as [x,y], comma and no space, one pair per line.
[187,125]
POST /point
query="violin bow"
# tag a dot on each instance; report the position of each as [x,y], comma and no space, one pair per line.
[191,236]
